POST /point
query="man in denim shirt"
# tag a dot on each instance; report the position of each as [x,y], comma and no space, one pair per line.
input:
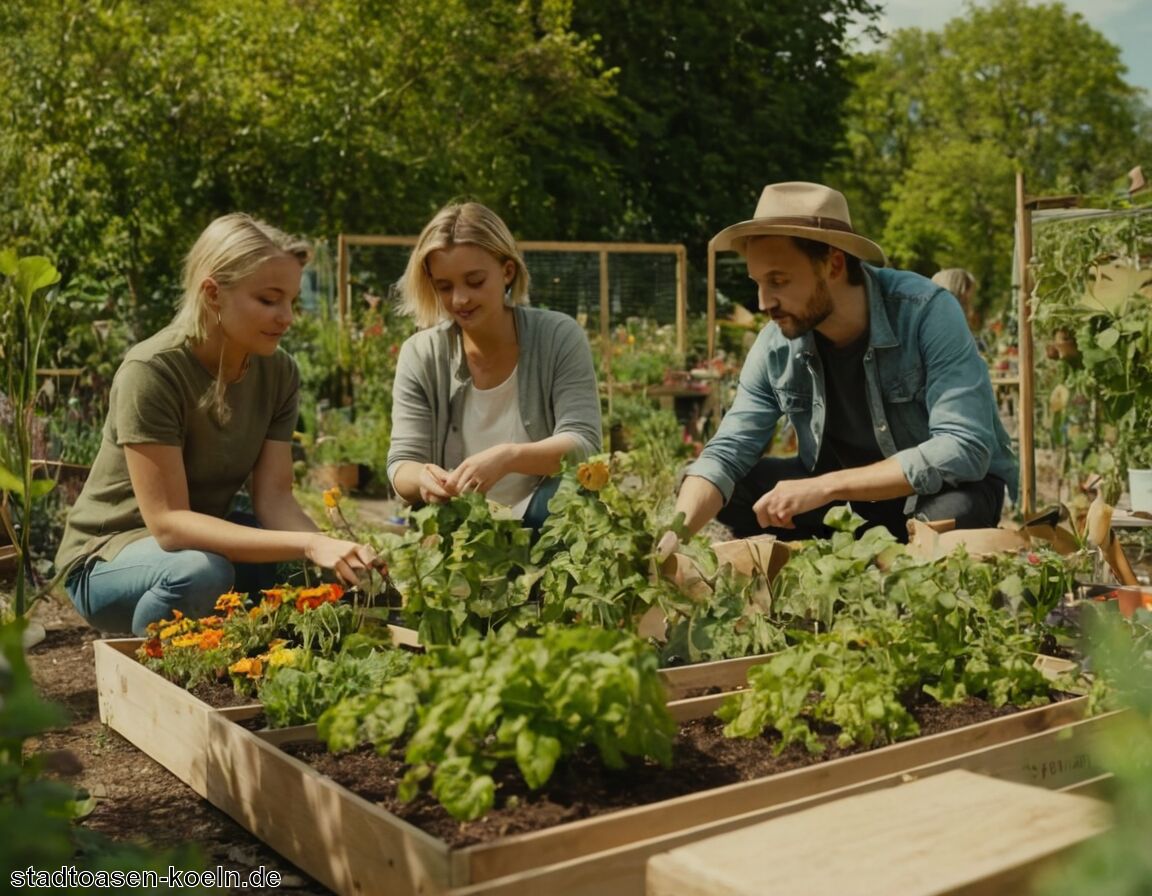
[878,374]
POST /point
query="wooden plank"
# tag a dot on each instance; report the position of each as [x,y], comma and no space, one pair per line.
[160,718]
[914,840]
[727,674]
[511,855]
[619,871]
[344,841]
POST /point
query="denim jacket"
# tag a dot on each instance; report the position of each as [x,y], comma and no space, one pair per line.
[928,391]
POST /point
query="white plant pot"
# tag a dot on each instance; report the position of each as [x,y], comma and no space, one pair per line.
[1140,490]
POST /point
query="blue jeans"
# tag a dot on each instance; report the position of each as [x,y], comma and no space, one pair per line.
[144,583]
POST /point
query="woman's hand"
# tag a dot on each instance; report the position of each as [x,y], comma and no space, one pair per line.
[481,471]
[434,488]
[345,558]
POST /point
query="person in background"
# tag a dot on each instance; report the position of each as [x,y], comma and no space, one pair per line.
[962,285]
[196,411]
[490,395]
[876,371]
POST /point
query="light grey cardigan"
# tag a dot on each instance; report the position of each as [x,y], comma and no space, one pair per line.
[555,376]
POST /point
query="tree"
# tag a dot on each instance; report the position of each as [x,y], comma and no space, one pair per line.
[938,123]
[718,100]
[128,126]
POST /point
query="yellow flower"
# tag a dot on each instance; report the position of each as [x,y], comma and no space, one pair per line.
[230,602]
[593,476]
[332,497]
[284,657]
[192,639]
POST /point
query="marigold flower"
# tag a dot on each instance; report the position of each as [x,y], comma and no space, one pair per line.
[211,622]
[284,657]
[211,639]
[593,476]
[171,631]
[153,648]
[273,597]
[250,666]
[192,639]
[229,602]
[332,497]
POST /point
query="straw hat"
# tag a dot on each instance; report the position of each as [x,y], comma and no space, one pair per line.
[811,211]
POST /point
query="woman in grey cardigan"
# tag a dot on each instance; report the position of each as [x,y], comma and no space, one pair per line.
[490,395]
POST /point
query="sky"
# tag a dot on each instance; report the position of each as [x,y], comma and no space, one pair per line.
[1125,23]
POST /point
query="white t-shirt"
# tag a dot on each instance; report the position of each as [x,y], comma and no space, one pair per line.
[492,417]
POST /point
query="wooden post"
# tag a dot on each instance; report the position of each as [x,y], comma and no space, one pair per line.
[681,300]
[342,286]
[711,313]
[606,347]
[1024,358]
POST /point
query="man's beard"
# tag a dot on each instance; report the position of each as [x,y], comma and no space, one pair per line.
[815,312]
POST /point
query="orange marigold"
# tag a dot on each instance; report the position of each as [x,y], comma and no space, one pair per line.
[211,639]
[311,598]
[332,497]
[593,476]
[251,666]
[153,648]
[273,597]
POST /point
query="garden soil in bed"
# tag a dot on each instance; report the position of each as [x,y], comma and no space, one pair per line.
[581,787]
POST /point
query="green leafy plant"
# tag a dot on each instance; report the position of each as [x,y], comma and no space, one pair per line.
[1093,308]
[298,685]
[887,630]
[462,569]
[26,303]
[1117,862]
[529,700]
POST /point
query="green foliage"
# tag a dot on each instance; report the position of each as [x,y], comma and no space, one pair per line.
[939,122]
[37,814]
[297,690]
[529,700]
[462,569]
[1081,295]
[26,304]
[1118,862]
[131,125]
[890,630]
[716,94]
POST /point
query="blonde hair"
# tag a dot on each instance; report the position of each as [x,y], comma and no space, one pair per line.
[228,250]
[957,281]
[464,223]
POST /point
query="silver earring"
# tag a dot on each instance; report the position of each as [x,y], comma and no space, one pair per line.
[508,295]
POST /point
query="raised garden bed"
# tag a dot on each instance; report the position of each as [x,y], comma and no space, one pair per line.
[354,846]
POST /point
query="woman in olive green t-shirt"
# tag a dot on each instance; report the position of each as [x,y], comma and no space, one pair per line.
[196,411]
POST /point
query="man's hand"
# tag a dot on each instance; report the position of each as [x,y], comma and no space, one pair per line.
[668,544]
[790,497]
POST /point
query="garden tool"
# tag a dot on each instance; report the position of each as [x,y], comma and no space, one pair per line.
[1099,535]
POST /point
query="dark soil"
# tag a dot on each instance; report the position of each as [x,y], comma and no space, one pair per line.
[581,787]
